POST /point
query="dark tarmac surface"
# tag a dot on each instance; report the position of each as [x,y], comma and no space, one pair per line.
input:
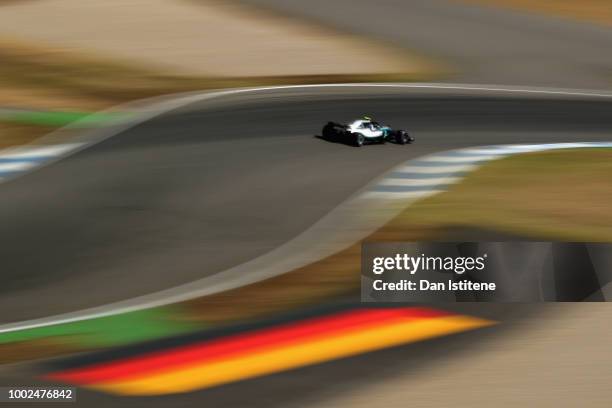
[204,188]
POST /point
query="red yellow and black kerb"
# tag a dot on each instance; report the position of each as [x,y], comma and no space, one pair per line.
[203,360]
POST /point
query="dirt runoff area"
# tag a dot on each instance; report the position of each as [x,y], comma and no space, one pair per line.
[211,38]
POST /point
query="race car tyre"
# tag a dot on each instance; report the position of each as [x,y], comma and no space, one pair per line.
[328,131]
[359,139]
[401,138]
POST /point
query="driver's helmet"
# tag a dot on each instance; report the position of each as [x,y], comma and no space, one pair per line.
[367,118]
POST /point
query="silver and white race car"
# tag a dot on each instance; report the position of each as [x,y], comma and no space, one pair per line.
[364,130]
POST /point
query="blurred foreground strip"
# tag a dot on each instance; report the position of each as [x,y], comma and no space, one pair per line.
[222,358]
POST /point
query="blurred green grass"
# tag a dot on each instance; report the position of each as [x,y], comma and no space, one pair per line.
[108,331]
[61,118]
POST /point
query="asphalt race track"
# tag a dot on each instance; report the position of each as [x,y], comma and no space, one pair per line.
[216,183]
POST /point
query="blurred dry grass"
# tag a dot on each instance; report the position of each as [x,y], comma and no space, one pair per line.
[599,11]
[34,349]
[63,79]
[556,195]
[33,76]
[15,134]
[323,281]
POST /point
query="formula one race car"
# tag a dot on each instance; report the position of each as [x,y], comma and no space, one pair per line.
[363,131]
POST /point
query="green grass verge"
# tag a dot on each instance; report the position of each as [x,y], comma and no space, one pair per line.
[61,118]
[109,331]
